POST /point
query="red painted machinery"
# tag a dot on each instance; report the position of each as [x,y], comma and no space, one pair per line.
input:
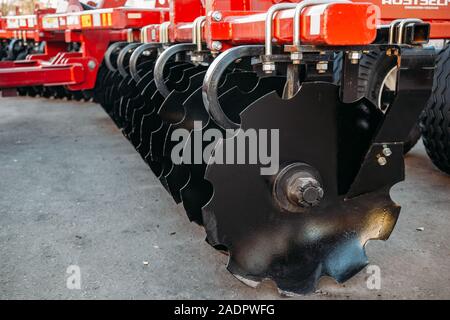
[81,38]
[280,126]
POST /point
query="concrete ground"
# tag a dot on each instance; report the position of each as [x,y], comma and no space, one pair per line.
[74,192]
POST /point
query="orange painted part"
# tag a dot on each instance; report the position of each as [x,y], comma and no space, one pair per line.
[242,5]
[182,33]
[339,24]
[120,18]
[182,14]
[321,25]
[40,75]
[6,34]
[153,33]
[435,12]
[13,64]
[112,3]
[422,9]
[440,30]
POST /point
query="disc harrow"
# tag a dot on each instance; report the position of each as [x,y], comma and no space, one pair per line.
[251,117]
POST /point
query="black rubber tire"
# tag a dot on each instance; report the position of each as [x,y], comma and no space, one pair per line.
[435,119]
[373,68]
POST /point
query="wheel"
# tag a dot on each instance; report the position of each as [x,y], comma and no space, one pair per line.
[435,119]
[377,81]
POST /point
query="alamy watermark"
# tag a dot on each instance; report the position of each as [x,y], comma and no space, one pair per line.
[73,281]
[373,281]
[250,146]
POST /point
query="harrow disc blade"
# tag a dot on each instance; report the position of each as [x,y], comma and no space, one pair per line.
[116,93]
[171,111]
[269,237]
[59,92]
[130,90]
[34,91]
[138,107]
[138,96]
[77,95]
[239,91]
[150,121]
[100,83]
[183,117]
[47,92]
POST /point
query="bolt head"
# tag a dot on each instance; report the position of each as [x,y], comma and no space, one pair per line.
[91,64]
[382,161]
[216,45]
[387,152]
[197,58]
[322,66]
[306,192]
[354,57]
[268,67]
[217,16]
[296,56]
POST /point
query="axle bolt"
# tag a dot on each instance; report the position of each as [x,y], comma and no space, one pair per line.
[217,16]
[382,161]
[387,151]
[354,57]
[268,67]
[296,57]
[305,191]
[216,45]
[322,66]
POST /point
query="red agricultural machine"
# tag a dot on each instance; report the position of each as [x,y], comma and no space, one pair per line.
[332,90]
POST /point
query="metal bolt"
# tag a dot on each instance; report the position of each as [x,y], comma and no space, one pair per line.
[387,151]
[91,64]
[382,161]
[268,67]
[354,57]
[217,16]
[306,192]
[322,66]
[296,57]
[197,58]
[216,45]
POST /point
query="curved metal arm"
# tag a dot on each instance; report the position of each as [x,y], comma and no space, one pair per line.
[121,58]
[197,31]
[164,32]
[392,26]
[113,49]
[213,75]
[269,23]
[162,61]
[402,25]
[135,57]
[143,36]
[298,14]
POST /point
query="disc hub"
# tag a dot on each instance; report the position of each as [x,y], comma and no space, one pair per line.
[298,187]
[305,191]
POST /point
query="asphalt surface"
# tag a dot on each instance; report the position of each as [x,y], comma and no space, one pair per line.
[73,191]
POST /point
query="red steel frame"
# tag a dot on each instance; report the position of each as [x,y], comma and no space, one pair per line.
[241,22]
[95,30]
[181,21]
[36,27]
